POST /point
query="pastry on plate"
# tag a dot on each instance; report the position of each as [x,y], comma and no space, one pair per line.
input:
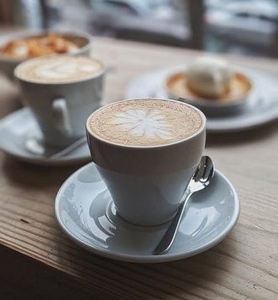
[209,82]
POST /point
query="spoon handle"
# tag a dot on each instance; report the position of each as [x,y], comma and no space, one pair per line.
[69,148]
[169,236]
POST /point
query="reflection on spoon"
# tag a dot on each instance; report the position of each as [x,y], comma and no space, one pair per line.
[35,147]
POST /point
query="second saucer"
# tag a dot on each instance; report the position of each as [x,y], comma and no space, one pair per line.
[17,127]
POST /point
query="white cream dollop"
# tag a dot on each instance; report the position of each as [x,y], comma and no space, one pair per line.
[209,76]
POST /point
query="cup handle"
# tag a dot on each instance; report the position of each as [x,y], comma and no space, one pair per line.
[61,115]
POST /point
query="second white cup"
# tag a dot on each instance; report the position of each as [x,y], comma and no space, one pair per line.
[61,91]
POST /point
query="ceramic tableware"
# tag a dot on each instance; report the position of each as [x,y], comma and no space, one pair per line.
[85,212]
[19,127]
[61,91]
[146,151]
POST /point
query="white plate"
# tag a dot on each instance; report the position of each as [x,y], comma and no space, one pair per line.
[16,127]
[261,108]
[85,212]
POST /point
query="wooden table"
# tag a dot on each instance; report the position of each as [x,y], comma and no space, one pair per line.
[38,261]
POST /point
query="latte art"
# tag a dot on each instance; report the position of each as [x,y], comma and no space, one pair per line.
[140,122]
[61,69]
[145,122]
[58,69]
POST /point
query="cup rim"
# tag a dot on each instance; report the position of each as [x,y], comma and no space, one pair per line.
[196,133]
[33,33]
[95,75]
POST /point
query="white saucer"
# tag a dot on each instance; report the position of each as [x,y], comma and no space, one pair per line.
[85,212]
[261,108]
[16,127]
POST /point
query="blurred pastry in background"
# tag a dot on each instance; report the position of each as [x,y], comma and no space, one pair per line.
[29,47]
[208,78]
[23,45]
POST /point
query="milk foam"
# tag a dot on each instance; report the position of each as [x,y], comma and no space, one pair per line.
[146,122]
[143,123]
[58,69]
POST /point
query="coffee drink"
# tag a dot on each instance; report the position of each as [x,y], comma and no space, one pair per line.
[59,69]
[145,122]
[146,151]
[61,91]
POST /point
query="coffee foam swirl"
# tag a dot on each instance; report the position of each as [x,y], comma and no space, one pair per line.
[62,69]
[145,122]
[59,69]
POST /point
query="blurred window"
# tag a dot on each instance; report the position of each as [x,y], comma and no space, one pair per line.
[239,26]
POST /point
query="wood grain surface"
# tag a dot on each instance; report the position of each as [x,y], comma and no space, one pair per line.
[38,261]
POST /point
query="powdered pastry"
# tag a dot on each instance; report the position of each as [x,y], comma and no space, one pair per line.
[209,77]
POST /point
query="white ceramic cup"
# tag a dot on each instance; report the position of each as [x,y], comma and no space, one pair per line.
[62,108]
[147,182]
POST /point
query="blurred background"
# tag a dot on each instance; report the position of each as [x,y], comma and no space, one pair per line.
[246,27]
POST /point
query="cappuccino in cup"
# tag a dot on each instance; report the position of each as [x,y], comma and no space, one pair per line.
[146,151]
[144,123]
[61,91]
[63,69]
